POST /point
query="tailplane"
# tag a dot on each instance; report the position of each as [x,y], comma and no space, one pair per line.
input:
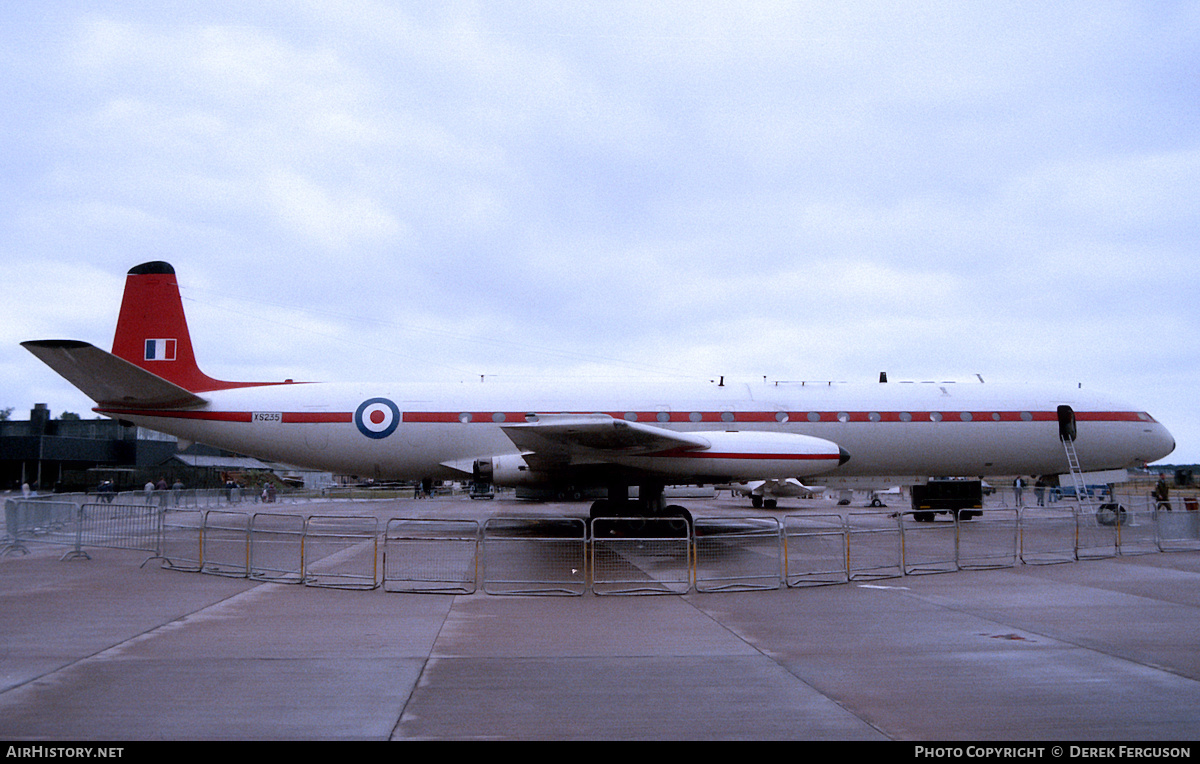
[112,382]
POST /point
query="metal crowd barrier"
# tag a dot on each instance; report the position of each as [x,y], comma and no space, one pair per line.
[341,552]
[990,540]
[225,543]
[1138,533]
[927,547]
[875,548]
[182,540]
[640,555]
[43,521]
[214,498]
[118,526]
[277,547]
[563,555]
[555,546]
[431,556]
[1048,535]
[815,550]
[949,543]
[738,553]
[1178,529]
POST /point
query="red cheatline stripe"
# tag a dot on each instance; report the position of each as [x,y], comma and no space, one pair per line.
[208,416]
[302,417]
[1111,416]
[793,417]
[295,417]
[681,454]
[647,417]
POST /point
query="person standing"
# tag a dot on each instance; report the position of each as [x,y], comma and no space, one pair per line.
[1162,494]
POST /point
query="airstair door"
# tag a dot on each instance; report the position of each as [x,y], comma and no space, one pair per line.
[1066,423]
[1067,434]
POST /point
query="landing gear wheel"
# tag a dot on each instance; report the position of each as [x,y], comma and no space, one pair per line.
[678,519]
[1110,514]
[600,508]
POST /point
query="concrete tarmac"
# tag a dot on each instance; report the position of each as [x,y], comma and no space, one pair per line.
[103,649]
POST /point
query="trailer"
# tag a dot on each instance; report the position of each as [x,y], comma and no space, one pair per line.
[963,498]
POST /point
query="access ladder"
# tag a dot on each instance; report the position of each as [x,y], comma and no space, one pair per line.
[1081,491]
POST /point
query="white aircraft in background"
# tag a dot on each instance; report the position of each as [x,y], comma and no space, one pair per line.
[569,436]
[766,493]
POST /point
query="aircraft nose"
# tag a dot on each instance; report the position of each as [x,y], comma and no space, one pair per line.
[1162,443]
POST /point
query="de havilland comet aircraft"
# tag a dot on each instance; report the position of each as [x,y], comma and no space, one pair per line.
[570,437]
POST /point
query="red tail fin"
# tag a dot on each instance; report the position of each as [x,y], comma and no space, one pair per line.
[152,331]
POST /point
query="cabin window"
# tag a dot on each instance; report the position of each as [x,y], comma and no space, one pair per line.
[630,416]
[464,417]
[726,416]
[814,416]
[781,417]
[965,416]
[664,416]
[1026,416]
[935,416]
[995,416]
[905,416]
[843,416]
[695,416]
[874,416]
[498,416]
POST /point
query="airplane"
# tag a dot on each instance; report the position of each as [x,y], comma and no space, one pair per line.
[766,493]
[569,436]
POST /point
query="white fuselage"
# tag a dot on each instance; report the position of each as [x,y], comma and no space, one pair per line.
[900,430]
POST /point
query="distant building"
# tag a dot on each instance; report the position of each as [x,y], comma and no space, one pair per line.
[77,454]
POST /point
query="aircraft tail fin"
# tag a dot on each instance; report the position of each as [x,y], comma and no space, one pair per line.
[152,331]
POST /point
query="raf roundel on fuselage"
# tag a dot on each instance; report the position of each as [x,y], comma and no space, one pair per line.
[377,418]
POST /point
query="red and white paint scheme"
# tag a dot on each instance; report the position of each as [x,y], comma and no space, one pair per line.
[571,435]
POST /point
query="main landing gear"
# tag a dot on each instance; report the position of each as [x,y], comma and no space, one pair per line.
[646,514]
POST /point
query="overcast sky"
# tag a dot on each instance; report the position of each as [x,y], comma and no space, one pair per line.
[439,190]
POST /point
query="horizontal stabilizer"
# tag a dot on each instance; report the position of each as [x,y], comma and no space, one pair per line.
[109,380]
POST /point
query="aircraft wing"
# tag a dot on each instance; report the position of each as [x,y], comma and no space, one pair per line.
[584,438]
[109,380]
